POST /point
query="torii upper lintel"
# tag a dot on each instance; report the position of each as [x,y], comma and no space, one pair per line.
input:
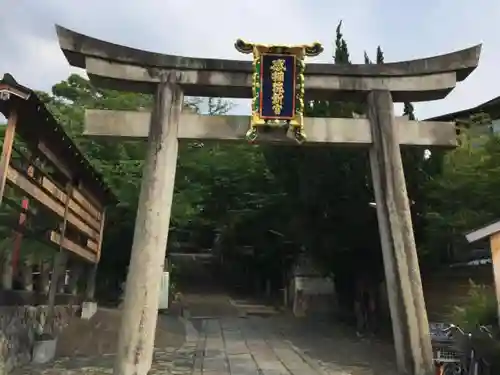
[77,47]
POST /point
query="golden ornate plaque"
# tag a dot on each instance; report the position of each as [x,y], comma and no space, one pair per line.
[278,86]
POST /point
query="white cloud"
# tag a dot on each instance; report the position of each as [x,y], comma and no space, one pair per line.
[209,28]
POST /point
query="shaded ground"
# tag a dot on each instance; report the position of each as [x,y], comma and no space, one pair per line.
[276,344]
[335,348]
[256,339]
[88,346]
[209,304]
[285,346]
[99,335]
[226,336]
[254,307]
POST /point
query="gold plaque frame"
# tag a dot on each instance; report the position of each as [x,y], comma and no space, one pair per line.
[296,122]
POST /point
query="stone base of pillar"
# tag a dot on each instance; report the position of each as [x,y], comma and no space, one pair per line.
[89,308]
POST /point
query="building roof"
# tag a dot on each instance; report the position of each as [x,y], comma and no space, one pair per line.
[35,123]
[483,232]
[484,107]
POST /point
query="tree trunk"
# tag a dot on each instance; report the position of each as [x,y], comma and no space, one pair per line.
[268,288]
[7,272]
[91,274]
[62,280]
[58,271]
[26,271]
[44,279]
[74,278]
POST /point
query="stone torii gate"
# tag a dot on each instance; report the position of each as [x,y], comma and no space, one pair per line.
[169,78]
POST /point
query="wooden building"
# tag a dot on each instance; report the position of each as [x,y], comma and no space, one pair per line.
[49,191]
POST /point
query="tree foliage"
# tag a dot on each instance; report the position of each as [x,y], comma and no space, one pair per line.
[331,191]
[234,196]
[463,196]
[216,185]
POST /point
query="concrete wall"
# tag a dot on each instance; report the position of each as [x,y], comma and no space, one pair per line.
[18,325]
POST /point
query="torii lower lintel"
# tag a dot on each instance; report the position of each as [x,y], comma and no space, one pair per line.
[340,131]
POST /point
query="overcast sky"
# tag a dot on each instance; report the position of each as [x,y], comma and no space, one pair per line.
[208,28]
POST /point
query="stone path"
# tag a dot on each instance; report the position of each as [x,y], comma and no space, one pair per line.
[332,348]
[259,346]
[204,305]
[235,347]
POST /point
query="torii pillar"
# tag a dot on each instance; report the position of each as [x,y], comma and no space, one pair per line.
[140,310]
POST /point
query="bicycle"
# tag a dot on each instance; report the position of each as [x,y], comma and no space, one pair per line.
[471,363]
[447,360]
[447,365]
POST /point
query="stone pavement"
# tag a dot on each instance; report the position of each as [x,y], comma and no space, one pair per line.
[236,347]
[270,346]
[208,305]
[332,348]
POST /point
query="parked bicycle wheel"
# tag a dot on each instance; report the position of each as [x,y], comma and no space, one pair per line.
[452,369]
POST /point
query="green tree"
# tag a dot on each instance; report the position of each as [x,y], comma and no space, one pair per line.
[409,111]
[216,186]
[380,56]
[329,192]
[367,59]
[233,197]
[463,196]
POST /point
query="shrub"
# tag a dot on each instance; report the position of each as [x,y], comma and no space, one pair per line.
[480,308]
